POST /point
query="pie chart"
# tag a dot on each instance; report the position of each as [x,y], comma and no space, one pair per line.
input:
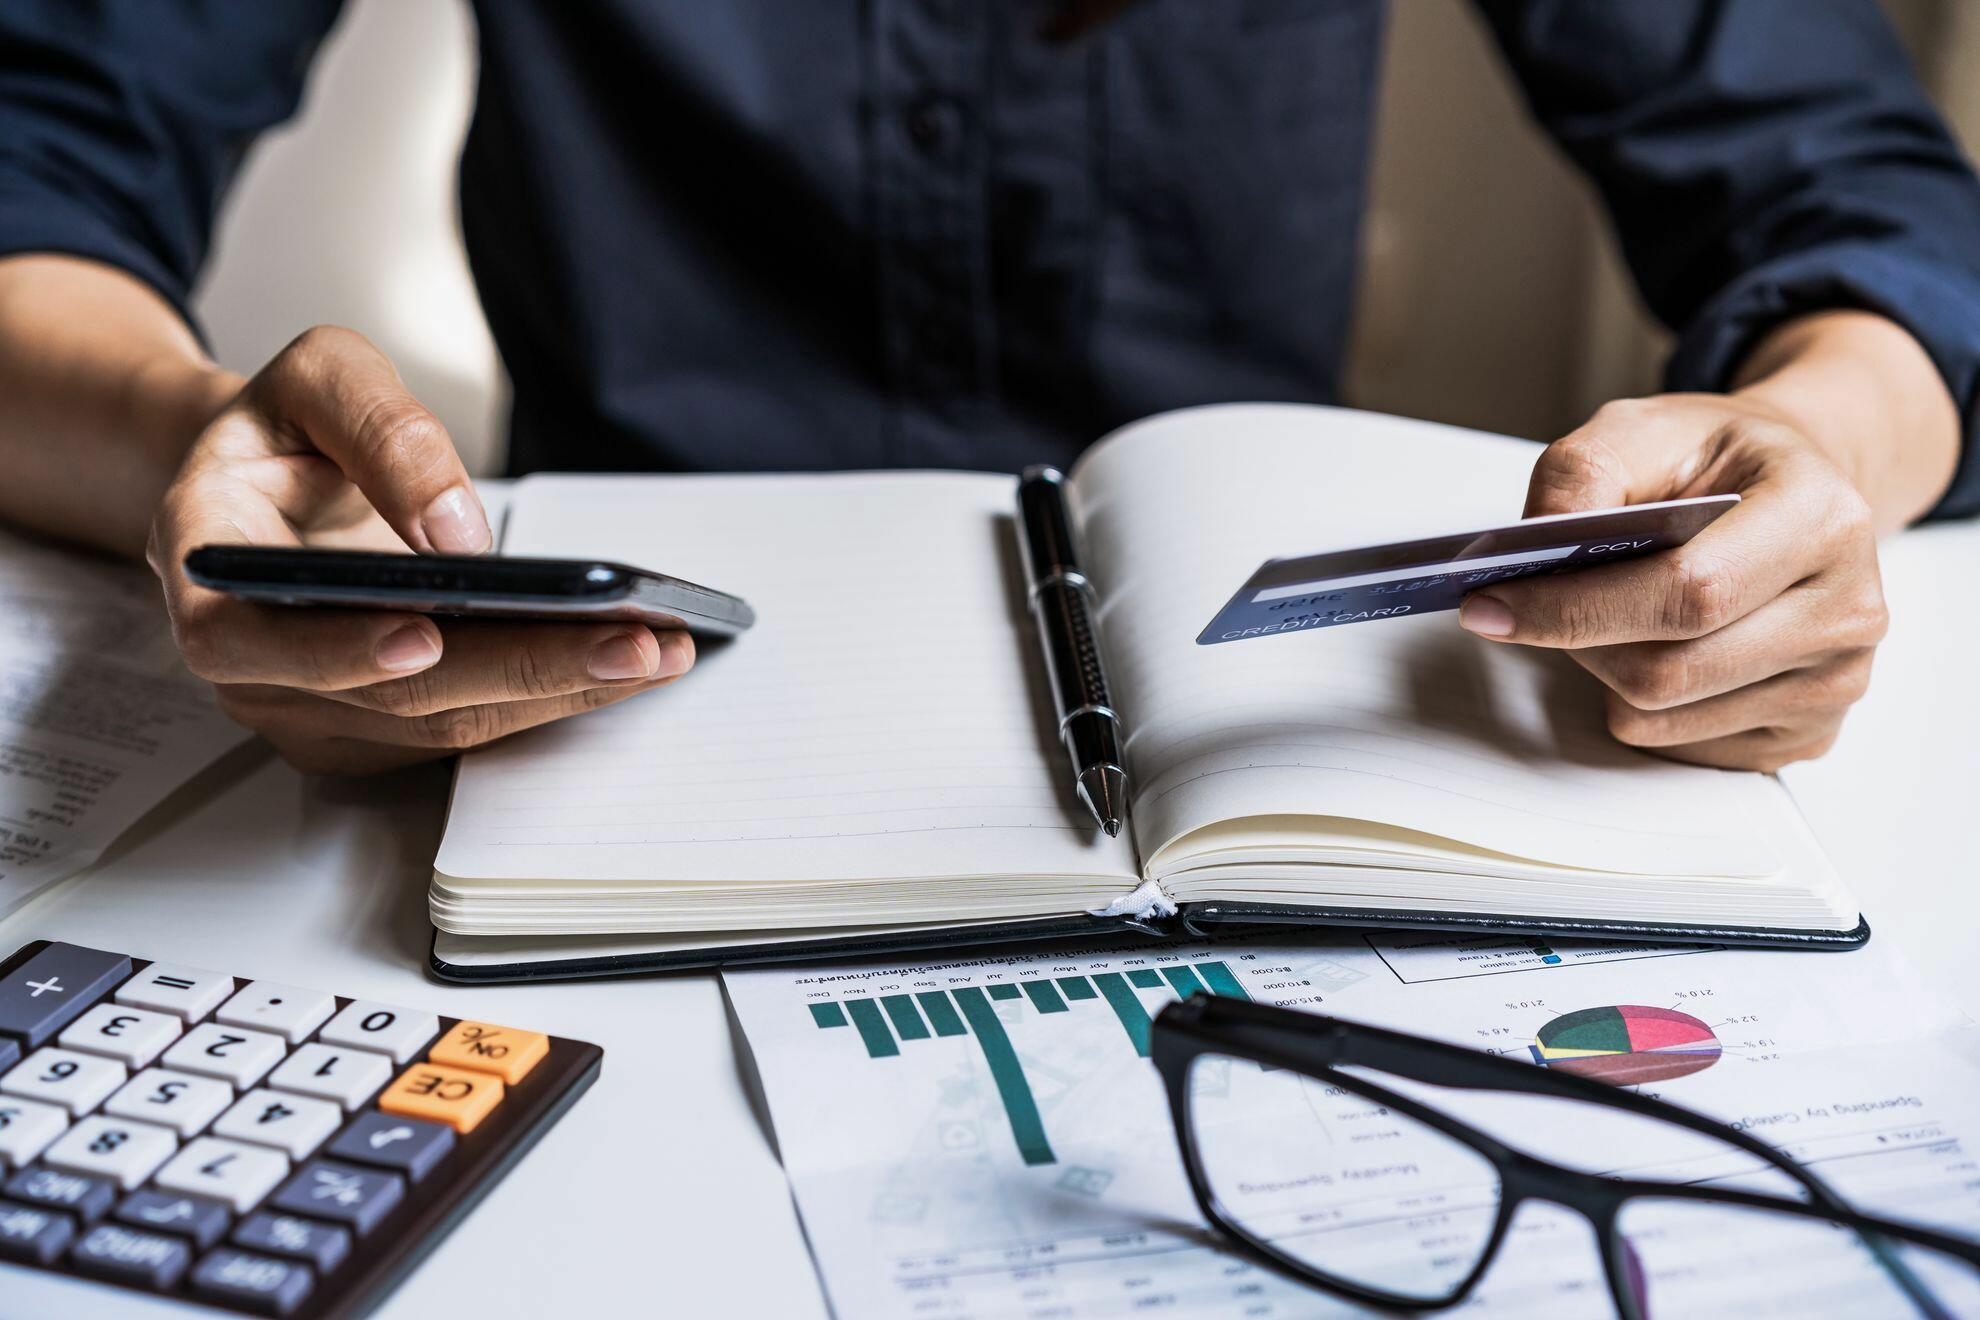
[1626,1044]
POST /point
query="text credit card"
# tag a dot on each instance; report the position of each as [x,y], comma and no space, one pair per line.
[1435,573]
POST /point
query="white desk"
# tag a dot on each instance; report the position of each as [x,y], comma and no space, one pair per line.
[660,1191]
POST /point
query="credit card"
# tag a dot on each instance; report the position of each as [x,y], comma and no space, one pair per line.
[1435,573]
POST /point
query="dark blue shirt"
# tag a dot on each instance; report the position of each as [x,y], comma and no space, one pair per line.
[828,233]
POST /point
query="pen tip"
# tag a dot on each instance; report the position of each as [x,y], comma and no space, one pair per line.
[1113,828]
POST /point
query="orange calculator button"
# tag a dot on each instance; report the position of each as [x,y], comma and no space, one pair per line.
[454,1096]
[504,1051]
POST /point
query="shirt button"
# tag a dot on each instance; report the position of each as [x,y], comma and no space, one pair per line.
[933,124]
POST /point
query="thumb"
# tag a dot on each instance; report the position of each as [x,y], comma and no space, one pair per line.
[1629,452]
[334,390]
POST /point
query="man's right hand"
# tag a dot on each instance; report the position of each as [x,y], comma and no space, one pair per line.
[325,447]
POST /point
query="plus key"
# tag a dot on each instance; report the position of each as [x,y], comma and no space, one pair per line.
[54,988]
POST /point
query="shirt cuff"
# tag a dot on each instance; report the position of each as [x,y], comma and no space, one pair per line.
[1937,302]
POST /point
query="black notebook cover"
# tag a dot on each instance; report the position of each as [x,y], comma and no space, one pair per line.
[1192,920]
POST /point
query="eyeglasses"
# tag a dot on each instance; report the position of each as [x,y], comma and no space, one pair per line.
[1303,1150]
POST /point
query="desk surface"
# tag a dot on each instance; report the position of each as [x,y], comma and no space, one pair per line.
[662,1182]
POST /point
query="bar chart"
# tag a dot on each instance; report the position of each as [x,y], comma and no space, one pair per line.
[887,1022]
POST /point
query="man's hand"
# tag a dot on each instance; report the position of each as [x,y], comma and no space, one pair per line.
[1747,646]
[325,447]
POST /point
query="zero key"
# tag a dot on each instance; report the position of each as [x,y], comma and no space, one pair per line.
[53,988]
[484,1047]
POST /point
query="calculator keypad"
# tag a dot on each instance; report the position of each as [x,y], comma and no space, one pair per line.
[170,1128]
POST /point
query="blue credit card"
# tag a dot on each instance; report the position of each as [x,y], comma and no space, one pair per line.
[1436,573]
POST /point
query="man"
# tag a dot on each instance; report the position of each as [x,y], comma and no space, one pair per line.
[819,233]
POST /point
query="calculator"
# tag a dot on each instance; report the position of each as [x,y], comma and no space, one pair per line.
[244,1145]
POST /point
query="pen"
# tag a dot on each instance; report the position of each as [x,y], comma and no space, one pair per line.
[1062,608]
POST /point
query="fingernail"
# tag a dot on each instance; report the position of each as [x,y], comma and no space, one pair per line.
[455,525]
[411,647]
[676,655]
[1485,616]
[618,658]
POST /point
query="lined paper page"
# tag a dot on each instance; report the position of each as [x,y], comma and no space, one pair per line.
[1412,723]
[880,723]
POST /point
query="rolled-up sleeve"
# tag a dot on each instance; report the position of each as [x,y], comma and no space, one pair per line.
[1763,159]
[122,121]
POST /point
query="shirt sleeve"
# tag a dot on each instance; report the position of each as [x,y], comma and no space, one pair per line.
[123,121]
[1762,159]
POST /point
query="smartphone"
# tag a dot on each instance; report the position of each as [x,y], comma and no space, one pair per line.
[487,586]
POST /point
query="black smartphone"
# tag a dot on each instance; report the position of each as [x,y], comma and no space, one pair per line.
[471,586]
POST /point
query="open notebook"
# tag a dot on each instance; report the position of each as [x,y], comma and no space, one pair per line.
[874,764]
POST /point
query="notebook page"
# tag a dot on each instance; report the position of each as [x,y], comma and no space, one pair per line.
[880,722]
[1412,723]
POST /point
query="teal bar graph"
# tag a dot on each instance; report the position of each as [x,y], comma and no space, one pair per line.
[884,1023]
[1077,987]
[907,1023]
[1218,977]
[1043,997]
[872,1030]
[1127,1007]
[1027,1129]
[940,1015]
[1183,979]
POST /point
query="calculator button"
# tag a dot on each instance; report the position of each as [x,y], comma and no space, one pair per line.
[260,1284]
[179,1101]
[127,1255]
[10,1053]
[454,1096]
[399,1032]
[504,1051]
[133,1036]
[291,1124]
[339,1192]
[192,1217]
[188,993]
[26,1128]
[324,1246]
[233,1054]
[77,1082]
[77,1194]
[32,1234]
[410,1145]
[288,1010]
[333,1072]
[53,988]
[113,1148]
[228,1171]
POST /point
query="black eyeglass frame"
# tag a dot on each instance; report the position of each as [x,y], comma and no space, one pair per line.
[1313,1046]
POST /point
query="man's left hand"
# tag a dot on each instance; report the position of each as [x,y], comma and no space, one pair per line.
[1743,648]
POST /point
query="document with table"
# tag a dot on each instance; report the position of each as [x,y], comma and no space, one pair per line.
[99,719]
[982,1137]
[878,760]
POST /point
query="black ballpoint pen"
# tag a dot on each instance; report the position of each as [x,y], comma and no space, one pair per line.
[1062,609]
